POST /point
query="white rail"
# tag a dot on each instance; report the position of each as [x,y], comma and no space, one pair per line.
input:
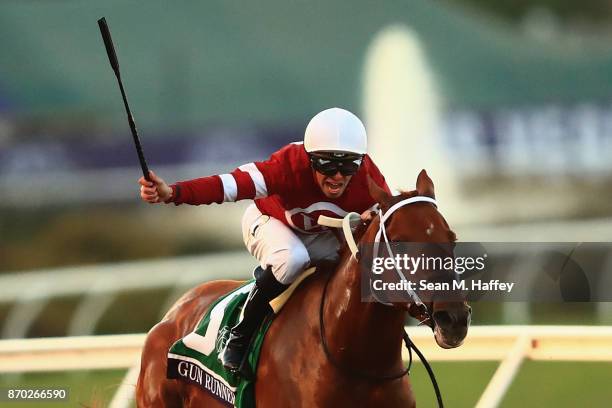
[510,344]
[563,343]
[70,353]
[131,275]
[29,292]
[97,286]
[507,370]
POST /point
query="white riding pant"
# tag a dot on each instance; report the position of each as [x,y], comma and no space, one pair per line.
[288,252]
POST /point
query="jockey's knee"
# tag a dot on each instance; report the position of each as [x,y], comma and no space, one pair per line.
[292,262]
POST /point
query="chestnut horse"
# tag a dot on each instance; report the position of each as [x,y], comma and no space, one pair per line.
[294,369]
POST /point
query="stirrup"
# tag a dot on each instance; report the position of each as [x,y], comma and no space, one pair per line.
[256,309]
[232,364]
[243,369]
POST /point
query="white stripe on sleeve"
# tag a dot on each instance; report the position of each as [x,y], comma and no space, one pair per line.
[230,189]
[258,179]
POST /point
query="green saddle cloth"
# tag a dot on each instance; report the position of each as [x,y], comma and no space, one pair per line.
[195,358]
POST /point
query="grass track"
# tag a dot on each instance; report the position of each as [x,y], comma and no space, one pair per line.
[539,384]
[92,389]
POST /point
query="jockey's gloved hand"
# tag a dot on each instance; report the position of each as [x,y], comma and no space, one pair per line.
[367,215]
[154,191]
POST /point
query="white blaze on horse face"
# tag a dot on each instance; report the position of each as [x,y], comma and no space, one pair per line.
[429,231]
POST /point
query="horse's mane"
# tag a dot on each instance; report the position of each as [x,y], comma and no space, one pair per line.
[403,195]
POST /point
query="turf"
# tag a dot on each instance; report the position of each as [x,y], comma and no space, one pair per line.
[92,389]
[538,384]
[560,384]
[461,383]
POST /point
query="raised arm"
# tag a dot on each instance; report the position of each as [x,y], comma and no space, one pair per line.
[249,181]
[245,182]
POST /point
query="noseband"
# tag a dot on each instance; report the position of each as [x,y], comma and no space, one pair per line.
[424,314]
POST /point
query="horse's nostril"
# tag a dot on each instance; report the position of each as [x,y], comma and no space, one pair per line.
[443,318]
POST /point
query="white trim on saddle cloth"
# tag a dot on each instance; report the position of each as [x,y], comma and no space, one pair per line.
[206,344]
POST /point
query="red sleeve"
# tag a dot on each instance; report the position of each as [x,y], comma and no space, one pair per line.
[245,185]
[242,183]
[249,181]
[277,170]
[205,190]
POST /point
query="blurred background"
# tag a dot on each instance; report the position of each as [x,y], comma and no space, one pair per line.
[507,104]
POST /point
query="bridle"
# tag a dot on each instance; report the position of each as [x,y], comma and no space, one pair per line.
[425,316]
[360,374]
[347,223]
[380,235]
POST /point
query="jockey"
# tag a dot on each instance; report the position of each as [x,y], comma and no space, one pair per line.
[327,174]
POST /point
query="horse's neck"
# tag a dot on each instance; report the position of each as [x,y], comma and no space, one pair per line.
[370,333]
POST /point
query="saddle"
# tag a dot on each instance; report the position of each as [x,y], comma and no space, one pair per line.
[278,302]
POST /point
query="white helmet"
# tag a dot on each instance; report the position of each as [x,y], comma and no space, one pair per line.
[335,130]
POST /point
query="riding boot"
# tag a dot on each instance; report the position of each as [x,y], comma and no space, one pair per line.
[256,308]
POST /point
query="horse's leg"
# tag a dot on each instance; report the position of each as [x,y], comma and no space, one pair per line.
[293,370]
[153,389]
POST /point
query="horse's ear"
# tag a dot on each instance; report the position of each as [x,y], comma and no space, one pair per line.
[377,193]
[424,185]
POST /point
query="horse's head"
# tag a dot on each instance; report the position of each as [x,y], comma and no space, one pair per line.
[421,222]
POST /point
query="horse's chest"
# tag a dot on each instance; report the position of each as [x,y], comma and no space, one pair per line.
[332,392]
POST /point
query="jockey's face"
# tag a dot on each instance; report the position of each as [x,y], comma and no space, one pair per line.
[332,186]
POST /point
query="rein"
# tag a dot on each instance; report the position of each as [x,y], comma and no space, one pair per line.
[361,374]
[364,375]
[346,224]
[350,220]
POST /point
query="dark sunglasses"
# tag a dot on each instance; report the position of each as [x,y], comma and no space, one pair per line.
[329,166]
